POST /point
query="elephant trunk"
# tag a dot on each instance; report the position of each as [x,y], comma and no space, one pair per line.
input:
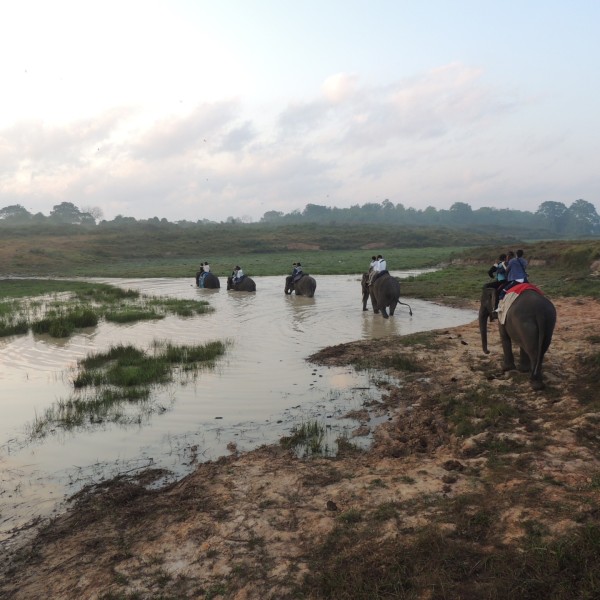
[483,321]
[484,315]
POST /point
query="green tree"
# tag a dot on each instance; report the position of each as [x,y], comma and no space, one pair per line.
[15,214]
[555,216]
[316,213]
[582,218]
[67,212]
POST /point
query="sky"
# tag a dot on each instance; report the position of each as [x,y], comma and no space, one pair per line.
[198,109]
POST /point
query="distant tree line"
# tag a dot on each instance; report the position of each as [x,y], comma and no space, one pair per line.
[580,219]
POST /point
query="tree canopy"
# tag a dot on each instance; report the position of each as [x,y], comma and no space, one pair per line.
[551,219]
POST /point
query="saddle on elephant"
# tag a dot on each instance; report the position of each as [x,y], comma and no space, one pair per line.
[299,276]
[510,294]
[377,275]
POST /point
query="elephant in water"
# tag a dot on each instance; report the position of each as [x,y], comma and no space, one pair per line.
[210,281]
[529,323]
[305,286]
[384,292]
[245,285]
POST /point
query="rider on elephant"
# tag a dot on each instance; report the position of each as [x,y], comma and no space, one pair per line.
[379,268]
[237,275]
[204,270]
[296,274]
[498,272]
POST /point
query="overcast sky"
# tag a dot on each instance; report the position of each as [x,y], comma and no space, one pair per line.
[197,109]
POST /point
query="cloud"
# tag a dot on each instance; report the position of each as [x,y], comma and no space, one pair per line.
[239,137]
[339,87]
[176,135]
[48,146]
[433,139]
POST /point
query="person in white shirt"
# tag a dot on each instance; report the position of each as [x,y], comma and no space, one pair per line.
[237,275]
[379,266]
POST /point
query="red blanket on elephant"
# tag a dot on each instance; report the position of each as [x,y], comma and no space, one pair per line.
[511,295]
[523,287]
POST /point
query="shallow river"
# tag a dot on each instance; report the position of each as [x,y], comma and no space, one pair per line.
[259,390]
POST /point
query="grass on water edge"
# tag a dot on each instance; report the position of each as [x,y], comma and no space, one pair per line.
[83,305]
[121,376]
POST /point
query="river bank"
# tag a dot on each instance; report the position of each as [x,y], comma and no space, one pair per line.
[470,487]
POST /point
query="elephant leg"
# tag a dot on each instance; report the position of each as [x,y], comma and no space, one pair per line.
[374,303]
[509,359]
[393,307]
[384,313]
[524,361]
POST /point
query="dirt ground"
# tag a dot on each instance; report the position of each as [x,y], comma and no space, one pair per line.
[248,525]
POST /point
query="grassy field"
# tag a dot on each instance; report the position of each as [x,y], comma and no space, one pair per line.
[559,268]
[176,252]
[318,262]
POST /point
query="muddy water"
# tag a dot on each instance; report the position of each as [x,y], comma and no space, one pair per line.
[258,391]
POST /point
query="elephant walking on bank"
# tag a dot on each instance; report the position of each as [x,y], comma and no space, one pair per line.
[384,293]
[305,286]
[529,323]
[245,285]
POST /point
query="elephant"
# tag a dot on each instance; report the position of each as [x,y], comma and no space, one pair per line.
[384,292]
[529,323]
[245,285]
[305,286]
[211,281]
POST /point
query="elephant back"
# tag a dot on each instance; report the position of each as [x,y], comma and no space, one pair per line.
[307,286]
[388,285]
[211,281]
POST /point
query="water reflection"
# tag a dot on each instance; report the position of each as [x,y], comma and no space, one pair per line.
[373,327]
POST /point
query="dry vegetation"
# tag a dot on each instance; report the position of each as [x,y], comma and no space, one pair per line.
[475,487]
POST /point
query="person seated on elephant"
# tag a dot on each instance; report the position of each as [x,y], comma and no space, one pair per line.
[297,273]
[515,270]
[498,272]
[204,270]
[379,267]
[237,275]
[372,263]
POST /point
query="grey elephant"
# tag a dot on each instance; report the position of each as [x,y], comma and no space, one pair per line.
[384,293]
[529,323]
[211,281]
[305,286]
[245,285]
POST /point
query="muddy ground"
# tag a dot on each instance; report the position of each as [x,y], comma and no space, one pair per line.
[467,450]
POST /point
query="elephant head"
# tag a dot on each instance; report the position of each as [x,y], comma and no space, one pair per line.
[364,284]
[529,323]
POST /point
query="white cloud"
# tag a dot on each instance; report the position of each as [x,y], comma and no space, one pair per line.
[436,138]
[339,87]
